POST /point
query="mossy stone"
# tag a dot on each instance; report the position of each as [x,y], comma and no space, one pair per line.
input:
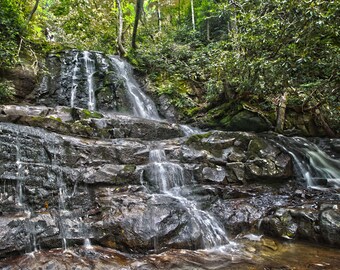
[246,121]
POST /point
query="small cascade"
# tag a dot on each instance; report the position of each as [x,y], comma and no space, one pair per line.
[62,195]
[313,165]
[74,79]
[87,244]
[188,130]
[143,106]
[169,178]
[167,175]
[20,176]
[90,70]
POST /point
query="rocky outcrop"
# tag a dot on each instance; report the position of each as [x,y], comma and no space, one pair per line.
[244,157]
[308,222]
[85,123]
[67,72]
[58,189]
[76,188]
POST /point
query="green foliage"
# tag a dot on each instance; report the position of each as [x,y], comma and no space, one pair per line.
[6,91]
[251,51]
[240,50]
[11,23]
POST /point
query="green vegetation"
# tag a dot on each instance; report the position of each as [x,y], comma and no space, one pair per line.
[86,114]
[210,57]
[6,91]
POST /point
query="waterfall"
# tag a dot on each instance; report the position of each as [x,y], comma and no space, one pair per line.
[188,130]
[169,178]
[313,165]
[90,70]
[74,80]
[142,105]
[62,212]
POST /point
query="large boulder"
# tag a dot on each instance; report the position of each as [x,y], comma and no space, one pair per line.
[247,121]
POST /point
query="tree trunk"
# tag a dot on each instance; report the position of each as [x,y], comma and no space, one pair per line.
[34,9]
[193,15]
[139,8]
[281,113]
[324,124]
[179,12]
[208,29]
[159,17]
[121,49]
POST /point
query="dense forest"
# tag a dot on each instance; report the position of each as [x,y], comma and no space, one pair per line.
[216,61]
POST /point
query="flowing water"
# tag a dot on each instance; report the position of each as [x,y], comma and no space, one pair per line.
[169,179]
[142,105]
[316,168]
[74,79]
[90,70]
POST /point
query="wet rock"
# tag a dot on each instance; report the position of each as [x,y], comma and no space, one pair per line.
[84,123]
[112,174]
[330,225]
[217,175]
[317,225]
[235,172]
[141,223]
[245,156]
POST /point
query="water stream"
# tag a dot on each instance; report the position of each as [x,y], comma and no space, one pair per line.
[74,79]
[90,70]
[142,105]
[312,165]
[169,179]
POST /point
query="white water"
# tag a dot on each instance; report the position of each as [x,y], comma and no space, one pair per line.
[142,105]
[20,176]
[74,80]
[311,163]
[62,195]
[170,178]
[90,70]
[87,244]
[188,130]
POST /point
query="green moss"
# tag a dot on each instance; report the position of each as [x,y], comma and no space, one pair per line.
[130,168]
[197,138]
[255,146]
[79,128]
[86,114]
[192,111]
[226,120]
[58,119]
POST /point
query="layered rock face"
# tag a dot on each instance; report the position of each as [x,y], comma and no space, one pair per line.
[62,188]
[70,174]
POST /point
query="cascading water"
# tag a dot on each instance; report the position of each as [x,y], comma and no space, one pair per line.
[142,105]
[313,165]
[74,79]
[168,178]
[90,70]
[61,214]
[20,175]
